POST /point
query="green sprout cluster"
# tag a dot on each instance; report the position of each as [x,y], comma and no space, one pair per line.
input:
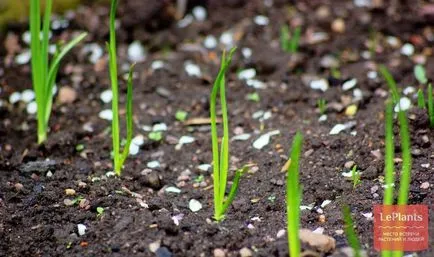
[290,41]
[221,157]
[44,72]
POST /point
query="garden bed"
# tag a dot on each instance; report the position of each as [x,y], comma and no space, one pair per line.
[46,191]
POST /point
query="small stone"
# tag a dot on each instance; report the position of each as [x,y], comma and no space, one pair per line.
[66,95]
[153,164]
[153,247]
[199,13]
[425,185]
[152,180]
[81,229]
[106,96]
[18,187]
[320,84]
[163,252]
[351,110]
[246,252]
[210,42]
[136,52]
[404,104]
[32,107]
[15,97]
[106,114]
[407,49]
[349,84]
[69,191]
[416,152]
[192,69]
[218,252]
[338,25]
[320,242]
[247,74]
[349,164]
[27,96]
[281,233]
[194,205]
[261,20]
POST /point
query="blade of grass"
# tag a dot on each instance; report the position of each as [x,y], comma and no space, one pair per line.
[295,40]
[406,159]
[45,39]
[391,83]
[421,99]
[129,116]
[234,188]
[284,37]
[388,157]
[430,106]
[352,238]
[293,197]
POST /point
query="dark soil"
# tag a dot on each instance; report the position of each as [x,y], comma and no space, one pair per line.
[34,220]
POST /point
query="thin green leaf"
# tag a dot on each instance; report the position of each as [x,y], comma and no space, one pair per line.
[389,177]
[295,40]
[405,178]
[421,99]
[45,39]
[391,83]
[352,238]
[129,115]
[234,188]
[293,197]
[430,106]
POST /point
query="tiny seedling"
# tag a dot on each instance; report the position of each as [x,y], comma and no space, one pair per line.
[430,106]
[355,176]
[118,157]
[44,72]
[181,115]
[391,83]
[421,99]
[155,136]
[289,43]
[389,154]
[221,158]
[293,197]
[254,97]
[99,211]
[322,105]
[420,74]
[352,238]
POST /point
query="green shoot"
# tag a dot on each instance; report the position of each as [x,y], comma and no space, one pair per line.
[289,44]
[405,178]
[389,178]
[420,74]
[352,238]
[355,176]
[322,105]
[99,211]
[430,106]
[391,83]
[181,115]
[155,136]
[44,73]
[221,158]
[420,99]
[118,157]
[293,197]
[254,97]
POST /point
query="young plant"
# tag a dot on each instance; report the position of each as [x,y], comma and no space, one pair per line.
[221,158]
[421,99]
[44,72]
[293,197]
[352,238]
[355,176]
[118,157]
[289,43]
[430,106]
[420,74]
[322,105]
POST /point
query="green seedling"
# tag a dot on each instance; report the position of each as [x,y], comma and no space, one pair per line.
[355,176]
[221,158]
[289,43]
[44,72]
[391,83]
[430,106]
[352,238]
[99,211]
[389,155]
[420,74]
[155,136]
[118,157]
[253,97]
[181,115]
[79,147]
[293,197]
[322,105]
[334,71]
[421,99]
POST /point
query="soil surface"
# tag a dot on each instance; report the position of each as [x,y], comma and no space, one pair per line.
[146,210]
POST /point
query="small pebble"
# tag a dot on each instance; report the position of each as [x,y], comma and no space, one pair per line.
[15,97]
[81,229]
[192,69]
[407,49]
[338,25]
[27,96]
[32,108]
[69,191]
[425,185]
[247,74]
[67,95]
[246,252]
[219,252]
[194,205]
[349,84]
[210,42]
[136,52]
[351,110]
[320,84]
[106,114]
[106,96]
[199,13]
[261,20]
[281,233]
[18,187]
